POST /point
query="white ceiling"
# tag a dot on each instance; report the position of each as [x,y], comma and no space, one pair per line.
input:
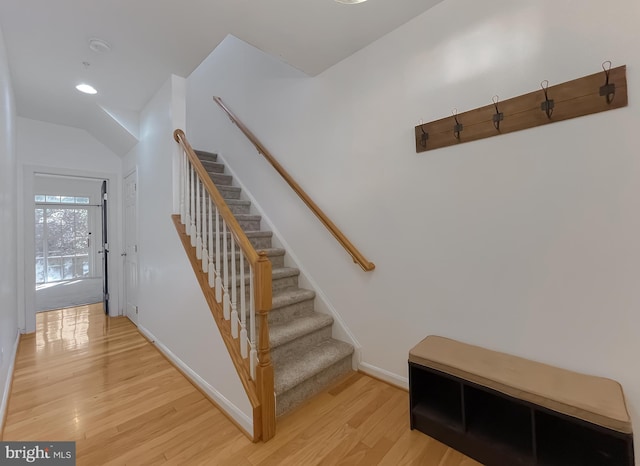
[47,41]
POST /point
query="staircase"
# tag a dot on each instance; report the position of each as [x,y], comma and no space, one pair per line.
[305,357]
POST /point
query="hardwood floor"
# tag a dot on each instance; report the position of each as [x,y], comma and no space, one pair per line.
[97,381]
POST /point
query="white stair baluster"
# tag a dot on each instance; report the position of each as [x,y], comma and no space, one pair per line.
[253,354]
[226,299]
[183,175]
[198,219]
[211,269]
[205,230]
[192,211]
[218,269]
[244,350]
[234,292]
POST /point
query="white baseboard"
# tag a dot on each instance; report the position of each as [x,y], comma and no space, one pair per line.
[244,421]
[7,386]
[389,377]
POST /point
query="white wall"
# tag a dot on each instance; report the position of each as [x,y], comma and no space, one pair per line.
[171,308]
[8,238]
[525,243]
[62,150]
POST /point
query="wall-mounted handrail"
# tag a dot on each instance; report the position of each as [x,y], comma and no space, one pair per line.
[355,254]
[215,243]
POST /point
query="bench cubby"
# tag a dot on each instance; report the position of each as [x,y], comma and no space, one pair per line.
[504,410]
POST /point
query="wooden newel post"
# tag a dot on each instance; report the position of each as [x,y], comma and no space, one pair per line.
[264,371]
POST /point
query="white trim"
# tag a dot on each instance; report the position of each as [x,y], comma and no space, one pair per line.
[223,403]
[340,330]
[389,377]
[123,248]
[4,404]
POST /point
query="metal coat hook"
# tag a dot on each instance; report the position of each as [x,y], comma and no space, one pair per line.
[457,128]
[608,91]
[547,105]
[498,116]
[423,137]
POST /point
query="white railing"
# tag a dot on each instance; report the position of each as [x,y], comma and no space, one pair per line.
[223,259]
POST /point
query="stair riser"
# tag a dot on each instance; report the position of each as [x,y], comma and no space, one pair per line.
[299,345]
[259,242]
[249,225]
[277,284]
[312,386]
[291,311]
[220,180]
[229,192]
[285,283]
[246,224]
[236,209]
[213,167]
[240,209]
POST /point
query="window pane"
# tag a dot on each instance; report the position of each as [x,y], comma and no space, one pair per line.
[82,200]
[53,199]
[68,199]
[54,269]
[65,233]
[40,198]
[39,269]
[82,266]
[67,264]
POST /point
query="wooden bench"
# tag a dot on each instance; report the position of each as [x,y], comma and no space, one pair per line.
[504,410]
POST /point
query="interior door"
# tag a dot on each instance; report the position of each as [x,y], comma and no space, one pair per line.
[105,250]
[131,246]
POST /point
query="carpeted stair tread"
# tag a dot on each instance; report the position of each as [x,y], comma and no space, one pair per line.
[212,167]
[305,365]
[289,297]
[259,234]
[237,202]
[248,217]
[280,334]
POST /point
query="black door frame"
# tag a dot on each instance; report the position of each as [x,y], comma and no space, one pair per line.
[105,250]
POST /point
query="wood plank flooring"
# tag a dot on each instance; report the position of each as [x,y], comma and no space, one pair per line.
[96,380]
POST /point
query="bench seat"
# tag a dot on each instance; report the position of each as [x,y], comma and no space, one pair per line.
[593,399]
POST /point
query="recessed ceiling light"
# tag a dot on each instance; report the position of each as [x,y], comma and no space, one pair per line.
[99,45]
[86,88]
[350,2]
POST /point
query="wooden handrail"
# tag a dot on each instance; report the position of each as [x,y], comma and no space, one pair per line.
[356,255]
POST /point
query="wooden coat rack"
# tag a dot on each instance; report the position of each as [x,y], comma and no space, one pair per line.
[595,93]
